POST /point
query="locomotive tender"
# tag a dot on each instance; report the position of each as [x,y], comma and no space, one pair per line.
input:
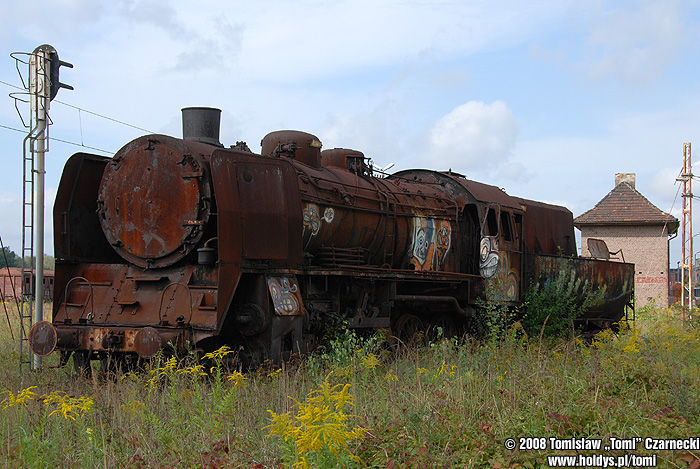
[185,243]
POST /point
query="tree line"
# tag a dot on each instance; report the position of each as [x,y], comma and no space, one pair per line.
[11,259]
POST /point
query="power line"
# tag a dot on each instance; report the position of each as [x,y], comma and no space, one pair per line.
[102,116]
[12,86]
[85,110]
[81,145]
[61,140]
[12,128]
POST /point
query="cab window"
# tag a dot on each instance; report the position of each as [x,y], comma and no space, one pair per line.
[491,224]
[506,227]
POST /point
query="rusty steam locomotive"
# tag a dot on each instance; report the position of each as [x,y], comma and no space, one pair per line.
[185,243]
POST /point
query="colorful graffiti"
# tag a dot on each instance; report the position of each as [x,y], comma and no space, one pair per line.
[284,292]
[488,257]
[432,239]
[496,265]
[311,219]
[509,279]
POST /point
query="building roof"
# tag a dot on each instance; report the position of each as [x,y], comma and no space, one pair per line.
[17,271]
[624,205]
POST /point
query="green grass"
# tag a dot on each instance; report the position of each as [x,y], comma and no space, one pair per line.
[446,404]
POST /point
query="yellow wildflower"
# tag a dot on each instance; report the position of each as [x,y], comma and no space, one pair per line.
[22,397]
[68,406]
[236,378]
[219,353]
[370,361]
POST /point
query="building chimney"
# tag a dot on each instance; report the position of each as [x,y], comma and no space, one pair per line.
[629,178]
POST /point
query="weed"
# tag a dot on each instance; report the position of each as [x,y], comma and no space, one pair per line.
[449,404]
[551,306]
[60,403]
[495,313]
[318,434]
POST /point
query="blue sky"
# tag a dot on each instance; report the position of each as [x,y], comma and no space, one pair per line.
[547,100]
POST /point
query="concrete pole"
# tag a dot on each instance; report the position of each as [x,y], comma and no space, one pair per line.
[41,102]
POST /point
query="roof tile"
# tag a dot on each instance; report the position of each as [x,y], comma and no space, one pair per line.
[624,205]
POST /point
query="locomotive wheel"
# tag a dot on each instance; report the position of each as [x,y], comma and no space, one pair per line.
[442,327]
[251,352]
[251,319]
[409,329]
[81,364]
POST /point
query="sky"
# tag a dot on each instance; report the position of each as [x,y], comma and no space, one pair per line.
[547,100]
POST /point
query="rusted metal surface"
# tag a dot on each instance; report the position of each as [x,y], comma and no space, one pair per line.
[183,242]
[42,338]
[611,282]
[299,146]
[144,341]
[154,200]
[120,294]
[340,158]
[77,230]
[147,342]
[395,223]
[548,229]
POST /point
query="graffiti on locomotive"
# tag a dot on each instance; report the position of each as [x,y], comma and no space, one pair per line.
[432,239]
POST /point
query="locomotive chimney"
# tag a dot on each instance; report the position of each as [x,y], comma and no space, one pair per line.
[201,124]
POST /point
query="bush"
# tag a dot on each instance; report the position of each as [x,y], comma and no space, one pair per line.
[551,305]
[495,314]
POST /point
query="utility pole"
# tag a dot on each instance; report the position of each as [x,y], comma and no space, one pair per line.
[44,84]
[687,256]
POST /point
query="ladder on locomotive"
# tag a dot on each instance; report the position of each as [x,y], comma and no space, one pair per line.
[28,276]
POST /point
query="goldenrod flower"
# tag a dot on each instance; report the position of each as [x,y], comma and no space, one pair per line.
[68,406]
[196,370]
[236,378]
[319,423]
[218,354]
[370,361]
[22,397]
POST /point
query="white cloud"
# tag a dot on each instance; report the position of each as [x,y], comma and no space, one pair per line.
[665,187]
[472,136]
[373,132]
[633,43]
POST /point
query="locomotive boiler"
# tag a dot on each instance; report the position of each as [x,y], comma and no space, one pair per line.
[185,244]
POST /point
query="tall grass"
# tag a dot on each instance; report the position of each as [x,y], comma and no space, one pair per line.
[450,403]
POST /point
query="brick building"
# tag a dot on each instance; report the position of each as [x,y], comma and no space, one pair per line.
[633,229]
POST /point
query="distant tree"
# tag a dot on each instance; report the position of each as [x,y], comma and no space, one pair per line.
[13,260]
[49,262]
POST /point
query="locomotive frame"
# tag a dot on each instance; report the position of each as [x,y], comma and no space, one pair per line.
[184,243]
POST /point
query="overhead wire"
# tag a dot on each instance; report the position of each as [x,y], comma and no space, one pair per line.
[61,140]
[80,110]
[103,116]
